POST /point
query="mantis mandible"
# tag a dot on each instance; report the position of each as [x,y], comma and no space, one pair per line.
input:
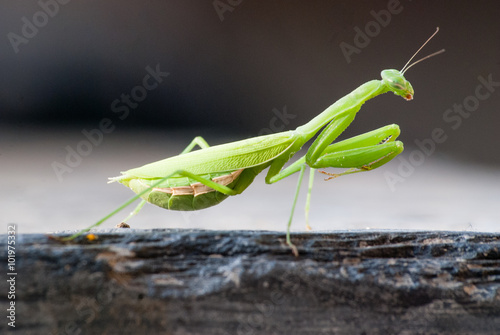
[203,178]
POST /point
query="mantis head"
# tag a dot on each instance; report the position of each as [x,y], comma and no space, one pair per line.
[397,83]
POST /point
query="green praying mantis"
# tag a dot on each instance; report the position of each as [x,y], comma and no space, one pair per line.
[197,179]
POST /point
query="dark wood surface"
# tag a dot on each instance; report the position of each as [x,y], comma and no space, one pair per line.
[247,282]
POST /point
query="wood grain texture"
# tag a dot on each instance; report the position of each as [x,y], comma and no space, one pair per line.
[247,282]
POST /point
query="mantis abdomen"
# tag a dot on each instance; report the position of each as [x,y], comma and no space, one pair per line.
[183,194]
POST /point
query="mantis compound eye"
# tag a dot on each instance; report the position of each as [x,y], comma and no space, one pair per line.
[398,86]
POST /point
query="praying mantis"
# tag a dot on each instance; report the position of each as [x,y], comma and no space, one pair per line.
[198,179]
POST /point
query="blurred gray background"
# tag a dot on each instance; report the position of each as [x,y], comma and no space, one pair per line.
[233,69]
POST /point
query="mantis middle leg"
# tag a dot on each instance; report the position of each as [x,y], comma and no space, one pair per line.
[360,153]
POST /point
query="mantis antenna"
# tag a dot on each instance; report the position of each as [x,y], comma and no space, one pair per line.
[406,67]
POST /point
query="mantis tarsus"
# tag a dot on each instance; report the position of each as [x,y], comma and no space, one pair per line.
[202,178]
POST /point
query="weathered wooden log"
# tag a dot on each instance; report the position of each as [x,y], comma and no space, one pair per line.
[248,282]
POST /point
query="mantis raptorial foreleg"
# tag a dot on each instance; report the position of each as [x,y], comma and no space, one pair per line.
[327,136]
[362,153]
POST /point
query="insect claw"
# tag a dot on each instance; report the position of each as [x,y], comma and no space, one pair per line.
[292,246]
[332,175]
[295,251]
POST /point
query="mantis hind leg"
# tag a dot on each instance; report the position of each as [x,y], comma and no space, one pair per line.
[197,141]
[135,211]
[209,183]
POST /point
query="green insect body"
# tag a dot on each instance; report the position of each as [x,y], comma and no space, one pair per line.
[236,164]
[202,178]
